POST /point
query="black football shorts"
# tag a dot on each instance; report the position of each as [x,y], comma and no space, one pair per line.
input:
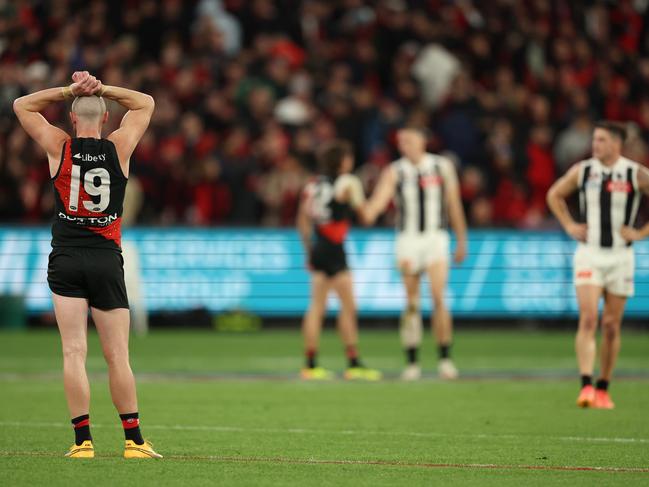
[94,274]
[328,257]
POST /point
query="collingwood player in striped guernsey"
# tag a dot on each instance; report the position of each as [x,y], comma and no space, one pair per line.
[426,190]
[609,187]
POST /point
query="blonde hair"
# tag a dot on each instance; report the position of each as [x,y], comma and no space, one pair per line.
[89,108]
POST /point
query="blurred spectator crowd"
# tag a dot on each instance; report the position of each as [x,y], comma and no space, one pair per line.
[246,91]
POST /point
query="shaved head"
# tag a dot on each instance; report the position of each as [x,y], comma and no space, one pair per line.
[89,108]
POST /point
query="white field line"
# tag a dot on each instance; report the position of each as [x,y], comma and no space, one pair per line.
[304,431]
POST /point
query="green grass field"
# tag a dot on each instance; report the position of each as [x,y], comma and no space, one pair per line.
[227,409]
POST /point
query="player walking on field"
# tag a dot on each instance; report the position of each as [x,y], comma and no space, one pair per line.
[328,204]
[426,190]
[610,187]
[85,270]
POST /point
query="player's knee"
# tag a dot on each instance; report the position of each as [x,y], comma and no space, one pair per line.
[588,322]
[412,306]
[610,327]
[316,312]
[439,301]
[116,356]
[75,351]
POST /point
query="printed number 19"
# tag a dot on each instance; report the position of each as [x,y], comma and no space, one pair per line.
[102,190]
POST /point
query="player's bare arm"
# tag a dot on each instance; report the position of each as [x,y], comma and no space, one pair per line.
[631,234]
[556,199]
[455,211]
[381,197]
[47,136]
[134,123]
[304,225]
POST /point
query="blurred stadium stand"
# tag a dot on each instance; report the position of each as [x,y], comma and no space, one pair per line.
[246,89]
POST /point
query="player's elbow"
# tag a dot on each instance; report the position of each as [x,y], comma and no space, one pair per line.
[19,104]
[551,195]
[149,103]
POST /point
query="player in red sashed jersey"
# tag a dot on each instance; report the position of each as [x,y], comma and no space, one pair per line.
[328,204]
[85,268]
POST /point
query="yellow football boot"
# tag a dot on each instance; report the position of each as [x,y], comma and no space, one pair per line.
[362,373]
[317,373]
[84,450]
[133,450]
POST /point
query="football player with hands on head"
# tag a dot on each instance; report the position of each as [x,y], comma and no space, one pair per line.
[86,269]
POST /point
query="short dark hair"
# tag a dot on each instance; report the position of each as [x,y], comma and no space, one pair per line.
[331,156]
[617,129]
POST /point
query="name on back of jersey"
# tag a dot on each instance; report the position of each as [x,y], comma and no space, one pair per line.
[92,221]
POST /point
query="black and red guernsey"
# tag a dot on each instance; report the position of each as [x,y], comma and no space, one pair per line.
[331,217]
[89,192]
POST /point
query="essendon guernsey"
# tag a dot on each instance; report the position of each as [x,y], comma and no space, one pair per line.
[89,195]
[331,217]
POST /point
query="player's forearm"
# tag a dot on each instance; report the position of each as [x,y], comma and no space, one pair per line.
[458,222]
[130,99]
[559,209]
[305,231]
[37,102]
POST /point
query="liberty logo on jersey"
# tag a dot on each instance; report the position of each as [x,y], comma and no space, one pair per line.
[89,158]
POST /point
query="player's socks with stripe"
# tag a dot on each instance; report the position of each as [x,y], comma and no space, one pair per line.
[131,425]
[81,425]
[352,356]
[311,355]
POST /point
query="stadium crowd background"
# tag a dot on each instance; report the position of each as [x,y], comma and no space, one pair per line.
[246,90]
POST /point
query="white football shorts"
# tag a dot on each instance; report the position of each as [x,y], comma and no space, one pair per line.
[611,269]
[416,251]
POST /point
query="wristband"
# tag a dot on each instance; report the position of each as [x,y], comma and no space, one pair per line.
[102,91]
[67,92]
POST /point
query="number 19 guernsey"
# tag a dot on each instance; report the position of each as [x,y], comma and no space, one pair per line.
[86,259]
[89,195]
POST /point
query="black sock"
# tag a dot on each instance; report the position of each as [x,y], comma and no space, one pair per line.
[586,380]
[411,355]
[444,351]
[602,385]
[81,426]
[311,358]
[131,424]
[352,356]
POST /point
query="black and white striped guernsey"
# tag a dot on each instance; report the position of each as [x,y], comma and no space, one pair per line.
[608,199]
[420,193]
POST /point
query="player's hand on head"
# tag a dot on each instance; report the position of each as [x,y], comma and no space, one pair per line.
[79,76]
[630,234]
[84,84]
[578,231]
